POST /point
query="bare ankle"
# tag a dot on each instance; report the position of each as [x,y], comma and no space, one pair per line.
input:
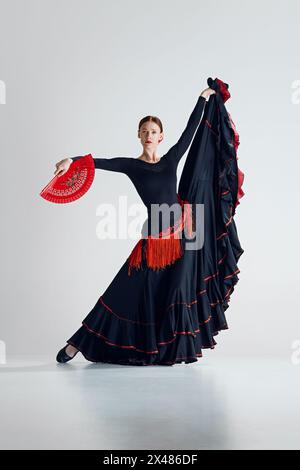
[71,350]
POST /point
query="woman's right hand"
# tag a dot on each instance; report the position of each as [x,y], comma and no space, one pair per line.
[207,92]
[62,166]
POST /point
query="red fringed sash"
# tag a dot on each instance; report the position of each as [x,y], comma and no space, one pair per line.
[166,248]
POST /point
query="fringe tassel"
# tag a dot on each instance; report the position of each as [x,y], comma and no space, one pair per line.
[161,252]
[135,259]
[166,248]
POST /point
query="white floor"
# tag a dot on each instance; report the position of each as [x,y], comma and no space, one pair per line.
[227,403]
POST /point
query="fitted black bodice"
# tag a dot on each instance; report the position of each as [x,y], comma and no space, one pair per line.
[156,183]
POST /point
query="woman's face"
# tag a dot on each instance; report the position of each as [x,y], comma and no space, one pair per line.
[150,135]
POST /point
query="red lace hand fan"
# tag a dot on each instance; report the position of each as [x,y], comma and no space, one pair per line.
[73,184]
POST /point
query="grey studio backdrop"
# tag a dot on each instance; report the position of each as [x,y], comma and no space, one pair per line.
[76,77]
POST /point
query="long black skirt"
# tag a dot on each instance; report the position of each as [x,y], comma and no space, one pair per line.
[169,316]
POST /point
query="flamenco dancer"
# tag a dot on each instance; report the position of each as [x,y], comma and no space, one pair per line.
[167,303]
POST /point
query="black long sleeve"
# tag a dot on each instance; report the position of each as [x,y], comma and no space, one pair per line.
[177,151]
[120,164]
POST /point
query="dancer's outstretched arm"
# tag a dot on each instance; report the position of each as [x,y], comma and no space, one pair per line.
[177,151]
[120,164]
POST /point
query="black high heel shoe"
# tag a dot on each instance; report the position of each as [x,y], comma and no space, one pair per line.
[62,356]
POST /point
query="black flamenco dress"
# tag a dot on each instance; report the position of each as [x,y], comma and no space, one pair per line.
[167,316]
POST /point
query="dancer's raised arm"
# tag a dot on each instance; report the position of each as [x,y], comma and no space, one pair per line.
[177,151]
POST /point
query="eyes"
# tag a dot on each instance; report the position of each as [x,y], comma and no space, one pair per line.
[153,132]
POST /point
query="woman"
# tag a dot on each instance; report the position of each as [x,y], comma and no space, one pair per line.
[145,316]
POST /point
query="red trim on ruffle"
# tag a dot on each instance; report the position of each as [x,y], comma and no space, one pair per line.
[123,318]
[226,224]
[162,343]
[182,359]
[241,175]
[121,362]
[210,126]
[118,345]
[187,304]
[222,259]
